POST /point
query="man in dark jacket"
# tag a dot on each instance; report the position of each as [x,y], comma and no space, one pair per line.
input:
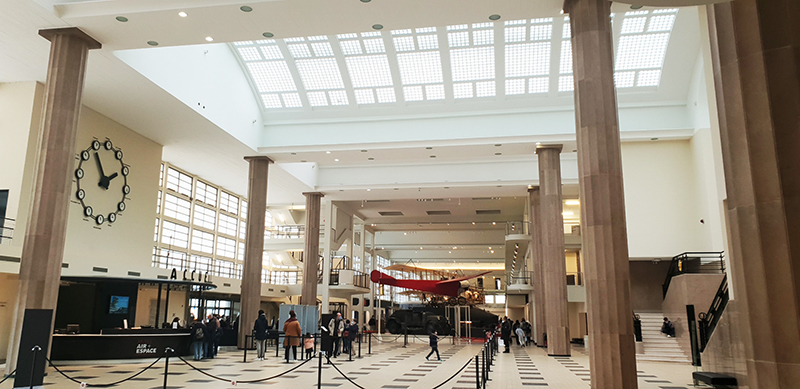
[505,332]
[260,333]
[211,336]
[198,339]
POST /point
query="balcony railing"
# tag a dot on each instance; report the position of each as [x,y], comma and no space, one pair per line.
[518,228]
[285,231]
[7,230]
[519,278]
[575,278]
[349,277]
[694,263]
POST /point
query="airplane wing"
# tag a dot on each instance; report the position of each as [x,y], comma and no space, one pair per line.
[445,287]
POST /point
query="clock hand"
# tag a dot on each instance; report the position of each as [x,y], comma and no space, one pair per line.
[99,164]
[111,177]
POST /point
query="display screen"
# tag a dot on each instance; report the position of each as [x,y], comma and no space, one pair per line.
[119,305]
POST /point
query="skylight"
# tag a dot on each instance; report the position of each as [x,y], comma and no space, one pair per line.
[407,66]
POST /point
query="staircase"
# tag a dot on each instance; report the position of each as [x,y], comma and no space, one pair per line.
[657,347]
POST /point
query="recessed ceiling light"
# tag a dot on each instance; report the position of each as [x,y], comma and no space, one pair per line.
[246,8]
[268,35]
[538,143]
[209,39]
[363,151]
[370,159]
[303,160]
[377,26]
[368,190]
[498,153]
[497,145]
[433,156]
[327,152]
[494,223]
[152,43]
[573,202]
[653,138]
[365,1]
[294,153]
[494,17]
[121,19]
[636,7]
[336,159]
[183,14]
[567,213]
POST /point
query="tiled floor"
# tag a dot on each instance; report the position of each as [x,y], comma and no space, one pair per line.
[390,366]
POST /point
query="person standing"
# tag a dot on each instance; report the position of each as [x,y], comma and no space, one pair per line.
[211,336]
[434,346]
[292,333]
[353,333]
[260,334]
[346,337]
[309,345]
[198,334]
[336,327]
[505,333]
[526,328]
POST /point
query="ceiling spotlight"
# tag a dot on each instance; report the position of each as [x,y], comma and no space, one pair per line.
[363,151]
[368,189]
[365,1]
[209,39]
[267,34]
[473,223]
[636,7]
[152,43]
[433,156]
[246,8]
[183,14]
[494,223]
[421,248]
[429,148]
[336,159]
[370,159]
[492,251]
[573,202]
[121,19]
[498,153]
[455,248]
[494,17]
[490,247]
[377,26]
[327,152]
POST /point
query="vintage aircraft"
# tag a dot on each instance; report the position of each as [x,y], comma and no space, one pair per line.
[452,287]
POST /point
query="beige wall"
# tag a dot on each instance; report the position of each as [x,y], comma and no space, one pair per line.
[574,310]
[8,296]
[689,289]
[646,280]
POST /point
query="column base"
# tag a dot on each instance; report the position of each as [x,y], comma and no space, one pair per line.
[559,355]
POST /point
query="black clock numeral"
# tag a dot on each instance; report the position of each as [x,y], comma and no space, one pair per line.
[96,145]
[79,173]
[88,211]
[100,219]
[81,194]
[118,154]
[85,155]
[112,217]
[126,189]
[121,206]
[108,145]
[125,170]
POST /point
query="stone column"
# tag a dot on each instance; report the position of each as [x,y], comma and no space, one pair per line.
[311,250]
[326,261]
[45,236]
[253,244]
[756,63]
[604,235]
[554,267]
[538,273]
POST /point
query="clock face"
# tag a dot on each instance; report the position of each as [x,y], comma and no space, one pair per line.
[102,179]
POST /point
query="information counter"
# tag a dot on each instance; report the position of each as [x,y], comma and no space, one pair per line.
[121,344]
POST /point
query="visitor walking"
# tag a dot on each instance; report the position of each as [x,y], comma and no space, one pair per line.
[260,334]
[434,346]
[292,332]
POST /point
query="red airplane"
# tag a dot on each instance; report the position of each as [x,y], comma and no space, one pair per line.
[450,288]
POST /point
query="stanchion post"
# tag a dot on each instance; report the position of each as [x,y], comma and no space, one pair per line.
[288,340]
[360,336]
[350,353]
[369,346]
[166,365]
[319,370]
[477,371]
[35,351]
[277,340]
[405,338]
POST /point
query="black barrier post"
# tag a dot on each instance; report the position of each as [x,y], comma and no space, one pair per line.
[369,346]
[277,340]
[288,340]
[166,366]
[360,336]
[405,338]
[350,352]
[477,372]
[319,370]
[35,350]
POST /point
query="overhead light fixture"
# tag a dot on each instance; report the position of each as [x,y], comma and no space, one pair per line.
[636,7]
[152,43]
[268,34]
[377,26]
[538,143]
[336,159]
[455,248]
[327,152]
[498,153]
[363,151]
[429,148]
[433,156]
[368,190]
[497,145]
[492,251]
[209,39]
[183,14]
[370,159]
[365,1]
[567,213]
[494,223]
[573,202]
[494,17]
[473,223]
[246,8]
[121,19]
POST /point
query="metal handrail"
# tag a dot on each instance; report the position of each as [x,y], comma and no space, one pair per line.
[518,228]
[6,231]
[694,262]
[708,321]
[285,231]
[519,278]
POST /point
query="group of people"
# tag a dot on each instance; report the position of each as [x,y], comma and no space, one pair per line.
[507,329]
[206,335]
[342,331]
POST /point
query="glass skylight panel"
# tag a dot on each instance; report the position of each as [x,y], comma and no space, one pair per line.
[374,46]
[271,101]
[483,25]
[299,51]
[457,27]
[291,100]
[404,43]
[528,59]
[633,25]
[541,32]
[271,52]
[412,93]
[458,39]
[369,71]
[515,34]
[292,40]
[347,36]
[462,91]
[566,33]
[271,76]
[624,79]
[649,78]
[420,67]
[243,43]
[317,38]
[434,92]
[515,22]
[661,23]
[483,37]
[515,86]
[338,97]
[249,53]
[428,42]
[641,51]
[320,73]
[538,85]
[472,64]
[385,95]
[406,31]
[364,96]
[350,47]
[322,49]
[565,66]
[484,89]
[665,11]
[566,84]
[370,34]
[317,99]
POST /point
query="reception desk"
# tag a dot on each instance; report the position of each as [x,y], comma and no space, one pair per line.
[122,344]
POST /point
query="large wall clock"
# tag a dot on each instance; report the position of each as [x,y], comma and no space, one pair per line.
[102,179]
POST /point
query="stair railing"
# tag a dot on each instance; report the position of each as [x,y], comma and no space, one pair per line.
[708,320]
[699,262]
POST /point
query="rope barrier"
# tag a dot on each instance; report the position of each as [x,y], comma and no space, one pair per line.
[386,341]
[342,374]
[100,385]
[8,376]
[456,373]
[245,381]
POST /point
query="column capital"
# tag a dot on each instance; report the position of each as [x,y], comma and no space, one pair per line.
[49,33]
[258,158]
[534,188]
[549,147]
[310,194]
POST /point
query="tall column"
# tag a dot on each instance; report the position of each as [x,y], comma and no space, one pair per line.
[311,250]
[326,261]
[538,272]
[253,244]
[554,267]
[756,63]
[45,236]
[605,241]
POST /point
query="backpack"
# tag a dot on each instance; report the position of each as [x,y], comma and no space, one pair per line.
[198,333]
